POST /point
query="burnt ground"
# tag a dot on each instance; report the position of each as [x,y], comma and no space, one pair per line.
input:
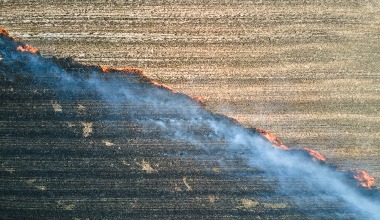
[69,154]
[77,158]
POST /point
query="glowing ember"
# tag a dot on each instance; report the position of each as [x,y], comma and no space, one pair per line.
[363,177]
[27,48]
[272,138]
[316,156]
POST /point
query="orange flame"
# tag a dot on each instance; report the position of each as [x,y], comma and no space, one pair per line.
[316,156]
[23,47]
[27,48]
[272,138]
[363,177]
[4,32]
[107,69]
[197,99]
[163,86]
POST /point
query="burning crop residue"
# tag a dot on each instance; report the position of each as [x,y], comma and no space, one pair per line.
[316,156]
[27,48]
[129,70]
[363,177]
[272,138]
[21,46]
[140,73]
[260,149]
[4,32]
[277,143]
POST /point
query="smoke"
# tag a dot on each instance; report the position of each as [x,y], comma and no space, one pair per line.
[180,117]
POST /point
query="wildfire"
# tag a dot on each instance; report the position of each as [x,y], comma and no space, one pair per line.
[23,47]
[272,138]
[316,156]
[4,32]
[159,85]
[141,73]
[27,48]
[197,99]
[277,143]
[363,177]
[129,70]
[107,69]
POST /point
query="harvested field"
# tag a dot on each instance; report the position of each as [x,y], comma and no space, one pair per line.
[307,71]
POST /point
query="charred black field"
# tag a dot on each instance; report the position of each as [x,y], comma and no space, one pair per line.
[84,141]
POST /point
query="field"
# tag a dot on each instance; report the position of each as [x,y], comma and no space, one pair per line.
[308,71]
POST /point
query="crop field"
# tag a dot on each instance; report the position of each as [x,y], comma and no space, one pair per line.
[308,71]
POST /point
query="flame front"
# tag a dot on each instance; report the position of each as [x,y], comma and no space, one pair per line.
[4,32]
[107,69]
[316,156]
[272,138]
[22,47]
[364,178]
[27,48]
[142,74]
[277,143]
[197,98]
